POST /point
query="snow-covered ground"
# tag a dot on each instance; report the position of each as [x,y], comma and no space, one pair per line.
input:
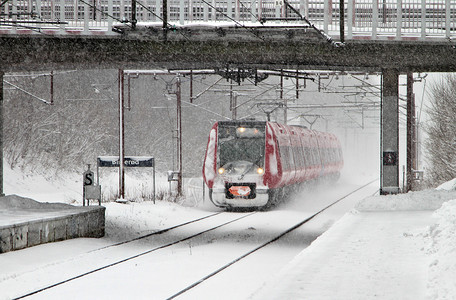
[386,247]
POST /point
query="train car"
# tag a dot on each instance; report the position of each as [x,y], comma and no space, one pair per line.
[254,163]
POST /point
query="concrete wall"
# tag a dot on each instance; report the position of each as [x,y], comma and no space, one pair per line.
[87,223]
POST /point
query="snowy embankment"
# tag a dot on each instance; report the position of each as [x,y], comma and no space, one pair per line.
[388,247]
[439,238]
[441,247]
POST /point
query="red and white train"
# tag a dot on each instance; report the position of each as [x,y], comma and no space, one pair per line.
[254,163]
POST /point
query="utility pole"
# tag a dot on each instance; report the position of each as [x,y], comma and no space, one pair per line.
[411,138]
[233,102]
[342,21]
[179,135]
[165,20]
[121,136]
[285,116]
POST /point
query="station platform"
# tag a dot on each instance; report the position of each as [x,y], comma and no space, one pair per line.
[388,247]
[25,222]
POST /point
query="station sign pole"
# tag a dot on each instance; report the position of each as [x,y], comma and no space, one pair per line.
[128,161]
[121,136]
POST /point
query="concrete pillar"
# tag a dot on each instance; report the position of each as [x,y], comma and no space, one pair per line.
[1,134]
[389,181]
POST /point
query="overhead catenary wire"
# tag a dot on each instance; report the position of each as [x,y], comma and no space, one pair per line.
[249,10]
[28,93]
[162,19]
[105,13]
[255,33]
[311,25]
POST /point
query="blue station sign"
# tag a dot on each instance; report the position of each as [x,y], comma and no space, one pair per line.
[129,161]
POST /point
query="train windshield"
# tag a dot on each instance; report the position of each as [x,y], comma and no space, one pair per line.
[241,145]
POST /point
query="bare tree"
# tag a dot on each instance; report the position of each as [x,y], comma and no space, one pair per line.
[441,130]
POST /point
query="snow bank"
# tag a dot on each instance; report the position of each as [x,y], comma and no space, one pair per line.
[15,201]
[440,237]
[448,186]
[421,200]
[441,241]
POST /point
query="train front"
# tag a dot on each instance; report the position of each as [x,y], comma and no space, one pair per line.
[234,166]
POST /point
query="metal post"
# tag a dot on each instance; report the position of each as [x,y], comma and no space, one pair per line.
[399,19]
[52,88]
[182,12]
[191,86]
[326,15]
[423,19]
[374,19]
[165,19]
[342,20]
[447,18]
[350,18]
[389,183]
[86,19]
[410,131]
[229,11]
[281,98]
[62,16]
[254,9]
[154,179]
[110,13]
[121,136]
[1,134]
[14,16]
[231,98]
[133,14]
[179,128]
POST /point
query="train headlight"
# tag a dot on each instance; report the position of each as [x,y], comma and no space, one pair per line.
[221,171]
[241,129]
[260,171]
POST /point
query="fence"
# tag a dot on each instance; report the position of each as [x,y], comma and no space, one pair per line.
[363,19]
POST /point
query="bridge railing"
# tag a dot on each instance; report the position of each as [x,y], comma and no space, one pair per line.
[363,19]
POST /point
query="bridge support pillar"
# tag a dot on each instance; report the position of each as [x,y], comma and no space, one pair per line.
[389,169]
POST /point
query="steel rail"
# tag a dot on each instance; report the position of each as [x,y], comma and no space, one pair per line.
[296,226]
[157,232]
[136,255]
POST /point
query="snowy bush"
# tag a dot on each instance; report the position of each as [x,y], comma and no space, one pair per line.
[441,131]
[442,249]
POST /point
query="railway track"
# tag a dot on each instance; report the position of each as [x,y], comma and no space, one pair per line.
[213,222]
[223,222]
[276,238]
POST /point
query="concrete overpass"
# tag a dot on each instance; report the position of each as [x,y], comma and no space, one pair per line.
[213,47]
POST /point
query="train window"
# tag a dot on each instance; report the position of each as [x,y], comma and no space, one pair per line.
[241,143]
